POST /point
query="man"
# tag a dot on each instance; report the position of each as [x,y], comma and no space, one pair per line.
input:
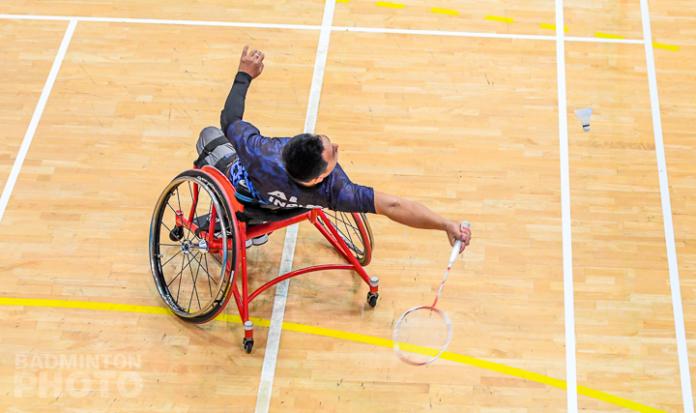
[303,171]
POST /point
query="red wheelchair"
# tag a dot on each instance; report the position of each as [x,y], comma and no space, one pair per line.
[197,242]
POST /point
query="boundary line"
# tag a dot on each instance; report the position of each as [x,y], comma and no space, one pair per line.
[176,22]
[208,23]
[568,291]
[36,117]
[263,398]
[672,263]
[337,334]
[270,358]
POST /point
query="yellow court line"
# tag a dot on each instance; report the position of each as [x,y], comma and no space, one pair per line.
[603,35]
[343,335]
[390,5]
[549,26]
[501,19]
[665,46]
[448,12]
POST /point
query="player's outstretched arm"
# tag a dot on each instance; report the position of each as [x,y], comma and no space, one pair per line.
[250,67]
[417,215]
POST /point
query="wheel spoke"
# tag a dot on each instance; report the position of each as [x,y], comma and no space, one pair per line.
[205,268]
[347,228]
[170,230]
[210,286]
[205,257]
[171,207]
[193,289]
[349,236]
[183,258]
[188,264]
[353,247]
[338,217]
[165,226]
[195,208]
[179,252]
[192,233]
[177,197]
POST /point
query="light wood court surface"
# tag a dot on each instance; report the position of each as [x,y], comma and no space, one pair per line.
[675,22]
[467,125]
[26,54]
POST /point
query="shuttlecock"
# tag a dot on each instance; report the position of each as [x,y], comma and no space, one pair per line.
[584,115]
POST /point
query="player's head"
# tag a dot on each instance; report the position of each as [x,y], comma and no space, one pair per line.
[310,158]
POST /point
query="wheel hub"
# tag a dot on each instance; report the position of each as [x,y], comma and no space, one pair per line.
[186,247]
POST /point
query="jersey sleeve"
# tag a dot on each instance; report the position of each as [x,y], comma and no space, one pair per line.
[243,135]
[345,196]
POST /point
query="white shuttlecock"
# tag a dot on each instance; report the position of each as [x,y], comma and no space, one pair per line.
[584,116]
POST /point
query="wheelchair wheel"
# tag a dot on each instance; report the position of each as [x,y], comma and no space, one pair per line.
[193,270]
[354,229]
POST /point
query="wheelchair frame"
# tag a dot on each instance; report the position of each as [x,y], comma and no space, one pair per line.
[244,297]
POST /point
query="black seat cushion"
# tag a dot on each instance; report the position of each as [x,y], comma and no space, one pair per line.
[255,215]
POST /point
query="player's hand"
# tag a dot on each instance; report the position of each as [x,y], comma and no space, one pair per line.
[456,231]
[251,63]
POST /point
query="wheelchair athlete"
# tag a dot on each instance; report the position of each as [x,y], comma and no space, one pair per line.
[302,171]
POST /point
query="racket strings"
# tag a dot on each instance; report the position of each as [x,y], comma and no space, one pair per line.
[421,335]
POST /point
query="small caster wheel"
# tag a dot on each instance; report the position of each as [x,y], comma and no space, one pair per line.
[176,234]
[372,298]
[248,344]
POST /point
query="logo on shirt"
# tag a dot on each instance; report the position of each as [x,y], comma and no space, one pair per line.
[279,199]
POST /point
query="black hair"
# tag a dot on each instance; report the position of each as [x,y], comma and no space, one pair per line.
[302,157]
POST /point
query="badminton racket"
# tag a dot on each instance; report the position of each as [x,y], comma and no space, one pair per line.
[424,332]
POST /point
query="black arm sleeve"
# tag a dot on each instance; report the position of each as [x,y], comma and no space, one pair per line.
[234,105]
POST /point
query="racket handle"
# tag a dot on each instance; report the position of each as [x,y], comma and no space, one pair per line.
[457,246]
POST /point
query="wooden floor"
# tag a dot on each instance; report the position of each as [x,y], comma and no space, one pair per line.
[467,125]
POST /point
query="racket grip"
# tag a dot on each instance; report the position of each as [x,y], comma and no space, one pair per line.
[457,246]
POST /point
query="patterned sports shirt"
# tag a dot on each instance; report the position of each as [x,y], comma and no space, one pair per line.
[260,164]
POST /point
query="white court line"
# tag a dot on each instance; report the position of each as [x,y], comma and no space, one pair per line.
[568,291]
[442,33]
[36,117]
[263,398]
[129,20]
[672,263]
[208,23]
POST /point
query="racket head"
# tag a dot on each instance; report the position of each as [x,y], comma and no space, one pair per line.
[421,335]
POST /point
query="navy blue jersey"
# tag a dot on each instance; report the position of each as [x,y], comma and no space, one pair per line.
[261,158]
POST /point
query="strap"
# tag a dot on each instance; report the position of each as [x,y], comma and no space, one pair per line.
[223,163]
[208,149]
[246,199]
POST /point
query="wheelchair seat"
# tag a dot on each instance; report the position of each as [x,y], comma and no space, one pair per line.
[256,215]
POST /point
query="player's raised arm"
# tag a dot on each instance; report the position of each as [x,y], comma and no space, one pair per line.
[250,67]
[417,215]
